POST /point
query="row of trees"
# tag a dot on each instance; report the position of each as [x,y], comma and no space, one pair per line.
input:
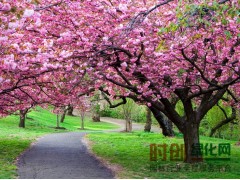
[154,52]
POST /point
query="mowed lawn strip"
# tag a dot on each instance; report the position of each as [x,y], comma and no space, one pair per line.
[132,152]
[14,140]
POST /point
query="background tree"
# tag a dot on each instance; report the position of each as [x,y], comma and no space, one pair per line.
[70,110]
[58,111]
[23,114]
[163,121]
[64,114]
[95,107]
[127,113]
[83,105]
[148,124]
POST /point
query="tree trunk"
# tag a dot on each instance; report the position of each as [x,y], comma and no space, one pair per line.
[82,123]
[57,121]
[163,122]
[128,125]
[63,115]
[22,118]
[147,127]
[70,111]
[96,118]
[191,142]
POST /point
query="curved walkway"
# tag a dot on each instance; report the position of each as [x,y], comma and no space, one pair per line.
[64,156]
[61,156]
[135,126]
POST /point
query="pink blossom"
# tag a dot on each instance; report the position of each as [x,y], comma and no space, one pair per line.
[28,13]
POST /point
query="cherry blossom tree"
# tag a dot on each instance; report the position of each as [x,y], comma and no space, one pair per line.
[29,72]
[83,106]
[182,50]
[155,52]
[193,55]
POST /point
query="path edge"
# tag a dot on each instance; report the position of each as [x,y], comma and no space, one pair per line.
[17,162]
[115,168]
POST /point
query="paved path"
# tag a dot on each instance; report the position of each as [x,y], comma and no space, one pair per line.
[135,126]
[61,156]
[64,156]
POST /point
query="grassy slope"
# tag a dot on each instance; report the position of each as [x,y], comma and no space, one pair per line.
[131,151]
[14,140]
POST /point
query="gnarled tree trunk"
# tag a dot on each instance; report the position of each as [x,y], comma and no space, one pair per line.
[191,142]
[163,121]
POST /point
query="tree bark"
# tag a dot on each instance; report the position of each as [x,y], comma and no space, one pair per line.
[22,118]
[82,123]
[128,125]
[147,127]
[70,111]
[163,122]
[191,142]
[64,114]
[58,121]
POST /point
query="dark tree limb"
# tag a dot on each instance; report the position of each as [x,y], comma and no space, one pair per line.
[124,101]
[224,121]
[163,122]
[138,19]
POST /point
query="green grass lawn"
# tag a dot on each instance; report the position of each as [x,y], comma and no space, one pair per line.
[132,152]
[14,140]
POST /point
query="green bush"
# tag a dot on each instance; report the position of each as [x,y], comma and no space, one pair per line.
[106,112]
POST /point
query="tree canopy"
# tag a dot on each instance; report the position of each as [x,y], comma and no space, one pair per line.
[151,51]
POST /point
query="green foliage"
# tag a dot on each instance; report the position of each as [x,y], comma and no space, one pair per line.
[106,112]
[179,108]
[213,117]
[128,108]
[95,106]
[138,113]
[228,34]
[112,112]
[131,151]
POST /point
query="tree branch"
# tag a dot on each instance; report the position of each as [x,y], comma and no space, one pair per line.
[224,121]
[124,101]
[49,6]
[138,19]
